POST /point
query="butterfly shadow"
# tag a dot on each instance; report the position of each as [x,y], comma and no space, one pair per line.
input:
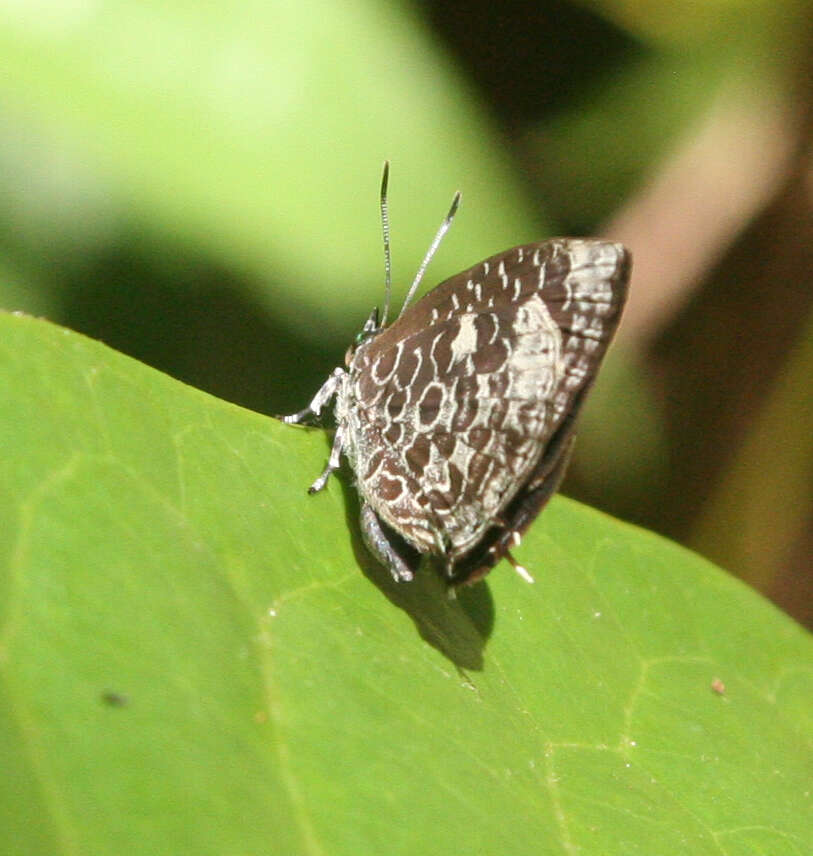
[458,627]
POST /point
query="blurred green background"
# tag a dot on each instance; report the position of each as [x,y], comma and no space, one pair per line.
[196,185]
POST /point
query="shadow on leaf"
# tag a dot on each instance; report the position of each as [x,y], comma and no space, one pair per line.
[457,627]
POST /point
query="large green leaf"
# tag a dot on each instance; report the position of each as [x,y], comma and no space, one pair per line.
[197,657]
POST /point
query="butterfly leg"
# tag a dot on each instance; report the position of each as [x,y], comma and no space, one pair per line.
[401,560]
[520,569]
[333,462]
[326,392]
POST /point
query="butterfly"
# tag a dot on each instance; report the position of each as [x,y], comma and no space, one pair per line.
[458,418]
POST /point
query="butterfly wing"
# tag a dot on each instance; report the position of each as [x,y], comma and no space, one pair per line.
[458,400]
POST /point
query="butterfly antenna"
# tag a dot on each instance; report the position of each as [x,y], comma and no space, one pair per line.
[385,228]
[444,228]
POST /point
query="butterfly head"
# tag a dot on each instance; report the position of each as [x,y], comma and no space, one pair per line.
[368,331]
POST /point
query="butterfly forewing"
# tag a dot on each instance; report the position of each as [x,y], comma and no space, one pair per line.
[456,402]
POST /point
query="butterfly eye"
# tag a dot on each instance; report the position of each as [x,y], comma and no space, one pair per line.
[370,325]
[369,329]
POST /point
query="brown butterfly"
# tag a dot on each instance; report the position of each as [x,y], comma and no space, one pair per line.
[458,418]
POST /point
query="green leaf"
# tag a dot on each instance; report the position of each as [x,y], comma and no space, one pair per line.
[197,657]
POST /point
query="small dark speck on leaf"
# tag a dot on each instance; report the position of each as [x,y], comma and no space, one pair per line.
[115,699]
